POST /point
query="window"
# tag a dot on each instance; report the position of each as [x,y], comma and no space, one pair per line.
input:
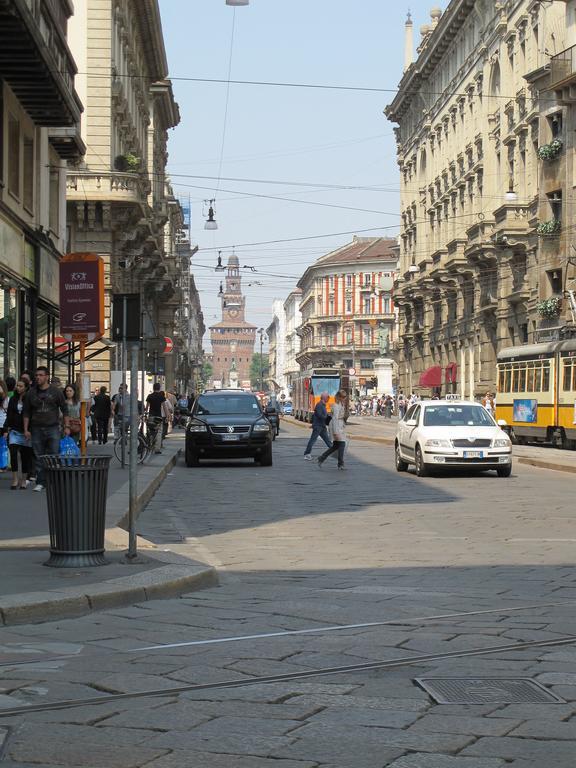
[348,305]
[386,306]
[457,416]
[331,306]
[366,364]
[368,279]
[28,160]
[54,200]
[367,305]
[331,281]
[13,156]
[366,335]
[348,281]
[555,280]
[348,336]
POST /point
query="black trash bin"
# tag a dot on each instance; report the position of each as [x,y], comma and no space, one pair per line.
[76,494]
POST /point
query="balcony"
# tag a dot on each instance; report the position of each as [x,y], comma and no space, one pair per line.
[36,62]
[112,186]
[563,72]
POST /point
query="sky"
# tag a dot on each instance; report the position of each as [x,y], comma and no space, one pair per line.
[242,138]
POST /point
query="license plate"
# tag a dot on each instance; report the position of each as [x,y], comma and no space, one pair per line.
[230,438]
[473,455]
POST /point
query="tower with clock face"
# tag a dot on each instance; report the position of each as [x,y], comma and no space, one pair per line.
[233,338]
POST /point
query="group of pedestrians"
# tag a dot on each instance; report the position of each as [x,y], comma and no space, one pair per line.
[34,416]
[331,427]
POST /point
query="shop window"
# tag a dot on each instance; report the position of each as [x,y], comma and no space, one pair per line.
[28,183]
[8,332]
[13,156]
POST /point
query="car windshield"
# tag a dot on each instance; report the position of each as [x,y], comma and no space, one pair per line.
[457,416]
[220,405]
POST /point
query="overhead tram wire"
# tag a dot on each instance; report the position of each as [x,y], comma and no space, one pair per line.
[227,102]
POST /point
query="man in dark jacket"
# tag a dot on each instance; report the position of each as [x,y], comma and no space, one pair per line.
[102,411]
[42,408]
[319,423]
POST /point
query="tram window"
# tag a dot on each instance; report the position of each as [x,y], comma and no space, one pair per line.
[530,379]
[538,380]
[515,379]
[501,380]
[546,377]
[567,383]
[522,379]
[507,380]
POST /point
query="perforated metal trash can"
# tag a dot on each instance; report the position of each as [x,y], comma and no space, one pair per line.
[76,490]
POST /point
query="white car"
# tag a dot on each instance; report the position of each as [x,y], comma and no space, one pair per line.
[451,433]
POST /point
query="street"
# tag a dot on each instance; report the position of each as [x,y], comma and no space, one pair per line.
[448,565]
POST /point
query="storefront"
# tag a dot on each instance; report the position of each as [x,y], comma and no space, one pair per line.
[28,305]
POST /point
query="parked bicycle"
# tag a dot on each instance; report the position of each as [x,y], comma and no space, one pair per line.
[147,431]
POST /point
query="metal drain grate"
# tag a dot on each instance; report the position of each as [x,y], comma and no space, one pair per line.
[473,690]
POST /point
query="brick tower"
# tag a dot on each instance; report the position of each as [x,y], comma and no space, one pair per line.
[233,338]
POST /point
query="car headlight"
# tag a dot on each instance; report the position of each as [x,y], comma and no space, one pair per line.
[197,428]
[437,444]
[501,442]
[261,427]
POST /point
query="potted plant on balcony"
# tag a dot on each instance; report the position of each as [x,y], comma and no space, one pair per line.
[127,163]
[550,307]
[551,227]
[549,152]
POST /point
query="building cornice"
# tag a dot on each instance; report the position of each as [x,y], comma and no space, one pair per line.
[150,24]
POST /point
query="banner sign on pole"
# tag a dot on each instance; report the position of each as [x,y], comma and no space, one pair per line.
[81,294]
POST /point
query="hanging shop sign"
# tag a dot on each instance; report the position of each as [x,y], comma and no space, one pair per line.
[82,295]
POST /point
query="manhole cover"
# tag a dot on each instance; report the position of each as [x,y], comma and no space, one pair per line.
[468,690]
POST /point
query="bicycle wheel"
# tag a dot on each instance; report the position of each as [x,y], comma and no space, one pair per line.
[142,449]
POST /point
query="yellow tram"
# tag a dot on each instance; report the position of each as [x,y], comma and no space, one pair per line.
[537,392]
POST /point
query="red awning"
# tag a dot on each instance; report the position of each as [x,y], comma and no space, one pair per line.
[451,373]
[432,377]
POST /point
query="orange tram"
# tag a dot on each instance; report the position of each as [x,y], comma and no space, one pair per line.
[537,393]
[308,387]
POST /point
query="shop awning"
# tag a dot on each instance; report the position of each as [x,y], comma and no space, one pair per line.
[432,377]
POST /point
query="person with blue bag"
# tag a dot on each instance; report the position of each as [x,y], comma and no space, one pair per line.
[20,448]
[43,406]
[4,457]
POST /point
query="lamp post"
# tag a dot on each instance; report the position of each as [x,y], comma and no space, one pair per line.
[261,333]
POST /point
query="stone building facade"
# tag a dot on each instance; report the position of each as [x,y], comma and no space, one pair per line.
[292,340]
[40,113]
[344,308]
[276,333]
[232,338]
[120,204]
[482,212]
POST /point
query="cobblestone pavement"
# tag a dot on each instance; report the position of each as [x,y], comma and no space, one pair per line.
[301,548]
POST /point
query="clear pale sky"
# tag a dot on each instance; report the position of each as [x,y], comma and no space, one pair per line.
[304,136]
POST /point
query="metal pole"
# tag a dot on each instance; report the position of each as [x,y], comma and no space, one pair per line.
[133,467]
[261,363]
[124,366]
[82,401]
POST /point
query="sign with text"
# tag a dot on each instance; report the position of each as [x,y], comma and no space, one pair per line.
[82,294]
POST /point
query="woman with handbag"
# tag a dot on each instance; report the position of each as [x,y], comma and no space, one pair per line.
[337,430]
[73,403]
[21,454]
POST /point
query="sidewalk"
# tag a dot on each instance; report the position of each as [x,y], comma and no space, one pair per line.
[376,429]
[29,592]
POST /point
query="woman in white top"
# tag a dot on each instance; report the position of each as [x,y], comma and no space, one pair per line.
[337,430]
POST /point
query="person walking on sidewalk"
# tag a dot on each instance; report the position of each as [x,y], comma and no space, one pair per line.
[320,420]
[337,430]
[21,455]
[43,406]
[121,410]
[102,412]
[155,412]
[73,404]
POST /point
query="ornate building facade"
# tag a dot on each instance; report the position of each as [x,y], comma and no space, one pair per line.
[120,204]
[482,244]
[345,305]
[40,113]
[292,340]
[233,338]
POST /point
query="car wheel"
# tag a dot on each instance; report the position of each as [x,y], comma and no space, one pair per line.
[191,458]
[421,468]
[401,465]
[504,471]
[266,457]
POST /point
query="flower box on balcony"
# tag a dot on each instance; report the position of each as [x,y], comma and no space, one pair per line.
[550,307]
[551,227]
[549,152]
[127,163]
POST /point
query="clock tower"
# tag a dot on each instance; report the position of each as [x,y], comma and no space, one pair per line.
[233,338]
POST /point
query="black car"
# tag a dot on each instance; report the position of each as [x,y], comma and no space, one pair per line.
[228,424]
